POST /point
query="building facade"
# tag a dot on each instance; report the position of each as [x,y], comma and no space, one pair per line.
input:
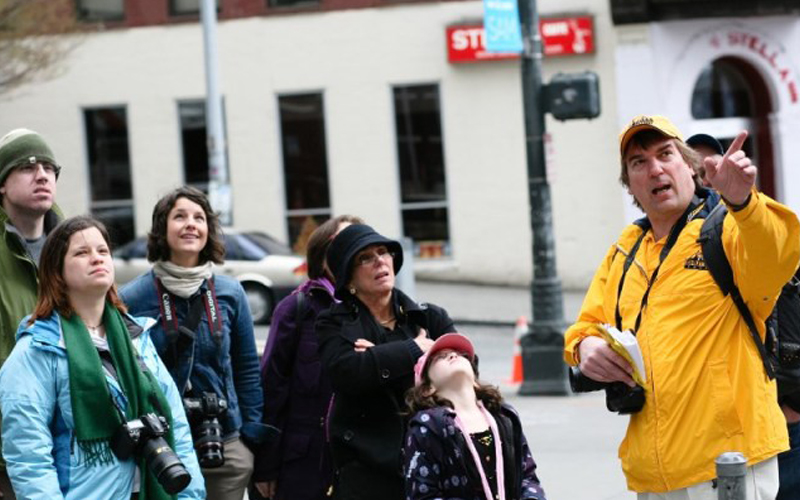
[718,68]
[354,106]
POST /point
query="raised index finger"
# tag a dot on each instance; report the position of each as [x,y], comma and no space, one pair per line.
[736,145]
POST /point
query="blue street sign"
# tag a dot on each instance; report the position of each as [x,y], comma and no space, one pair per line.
[501,22]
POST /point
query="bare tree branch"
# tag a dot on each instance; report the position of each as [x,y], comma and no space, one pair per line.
[32,41]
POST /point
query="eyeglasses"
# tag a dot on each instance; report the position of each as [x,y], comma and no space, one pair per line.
[32,166]
[368,259]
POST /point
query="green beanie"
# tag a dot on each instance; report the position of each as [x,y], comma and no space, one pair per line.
[20,146]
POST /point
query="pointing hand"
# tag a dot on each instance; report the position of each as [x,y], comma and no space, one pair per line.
[733,175]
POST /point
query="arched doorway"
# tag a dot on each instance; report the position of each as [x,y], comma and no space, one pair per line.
[730,95]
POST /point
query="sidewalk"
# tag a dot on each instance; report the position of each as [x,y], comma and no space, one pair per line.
[489,304]
[574,438]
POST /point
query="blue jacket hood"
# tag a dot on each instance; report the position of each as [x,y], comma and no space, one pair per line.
[47,331]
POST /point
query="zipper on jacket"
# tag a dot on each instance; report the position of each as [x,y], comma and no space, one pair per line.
[656,446]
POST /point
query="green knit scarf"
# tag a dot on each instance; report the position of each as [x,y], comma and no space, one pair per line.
[95,415]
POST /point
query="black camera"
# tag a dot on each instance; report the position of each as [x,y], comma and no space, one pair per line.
[620,397]
[144,437]
[203,413]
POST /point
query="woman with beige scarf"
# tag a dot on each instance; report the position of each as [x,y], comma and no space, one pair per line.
[204,334]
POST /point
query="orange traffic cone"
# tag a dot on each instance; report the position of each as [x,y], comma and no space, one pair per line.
[520,329]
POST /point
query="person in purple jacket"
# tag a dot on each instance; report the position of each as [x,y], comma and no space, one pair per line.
[297,465]
[463,443]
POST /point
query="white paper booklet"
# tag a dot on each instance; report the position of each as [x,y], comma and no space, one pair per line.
[625,344]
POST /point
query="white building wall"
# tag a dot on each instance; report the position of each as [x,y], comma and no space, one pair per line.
[353,57]
[659,64]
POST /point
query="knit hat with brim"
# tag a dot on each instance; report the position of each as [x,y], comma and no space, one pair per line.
[21,146]
[351,240]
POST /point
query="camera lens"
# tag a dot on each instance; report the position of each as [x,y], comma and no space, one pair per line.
[209,445]
[581,383]
[165,465]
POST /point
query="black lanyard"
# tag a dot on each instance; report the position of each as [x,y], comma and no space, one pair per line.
[169,316]
[671,240]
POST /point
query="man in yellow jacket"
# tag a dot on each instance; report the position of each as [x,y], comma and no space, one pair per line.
[706,389]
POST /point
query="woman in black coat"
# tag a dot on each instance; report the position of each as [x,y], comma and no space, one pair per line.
[369,344]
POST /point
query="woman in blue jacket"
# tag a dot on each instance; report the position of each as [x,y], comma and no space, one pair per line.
[82,369]
[204,335]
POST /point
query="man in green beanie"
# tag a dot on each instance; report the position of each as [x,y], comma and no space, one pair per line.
[28,175]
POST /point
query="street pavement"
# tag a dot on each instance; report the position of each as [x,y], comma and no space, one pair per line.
[486,304]
[573,439]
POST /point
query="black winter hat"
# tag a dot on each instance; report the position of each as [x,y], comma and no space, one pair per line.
[347,244]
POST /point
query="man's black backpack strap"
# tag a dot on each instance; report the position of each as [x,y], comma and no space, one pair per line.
[720,268]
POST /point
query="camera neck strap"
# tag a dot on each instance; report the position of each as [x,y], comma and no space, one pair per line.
[498,450]
[169,316]
[671,240]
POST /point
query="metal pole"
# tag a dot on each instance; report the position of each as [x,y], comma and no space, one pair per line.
[544,371]
[731,470]
[219,190]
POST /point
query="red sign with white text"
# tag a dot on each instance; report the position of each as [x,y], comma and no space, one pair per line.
[468,44]
[567,36]
[560,37]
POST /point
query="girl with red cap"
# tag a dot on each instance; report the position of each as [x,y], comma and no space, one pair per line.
[463,441]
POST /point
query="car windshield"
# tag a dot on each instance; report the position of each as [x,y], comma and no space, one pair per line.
[266,243]
[239,247]
[136,249]
[242,246]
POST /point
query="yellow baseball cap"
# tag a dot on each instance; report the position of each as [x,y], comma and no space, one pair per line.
[645,122]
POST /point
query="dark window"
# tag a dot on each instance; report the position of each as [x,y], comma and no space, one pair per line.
[430,232]
[110,171]
[730,95]
[292,3]
[301,227]
[100,10]
[184,7]
[305,161]
[192,116]
[642,11]
[193,139]
[722,91]
[422,174]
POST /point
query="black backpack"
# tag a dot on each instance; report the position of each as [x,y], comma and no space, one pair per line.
[781,351]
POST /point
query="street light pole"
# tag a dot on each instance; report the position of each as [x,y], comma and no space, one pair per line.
[544,371]
[219,190]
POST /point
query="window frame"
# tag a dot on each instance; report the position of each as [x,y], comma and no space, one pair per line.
[174,12]
[82,14]
[114,202]
[315,212]
[444,203]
